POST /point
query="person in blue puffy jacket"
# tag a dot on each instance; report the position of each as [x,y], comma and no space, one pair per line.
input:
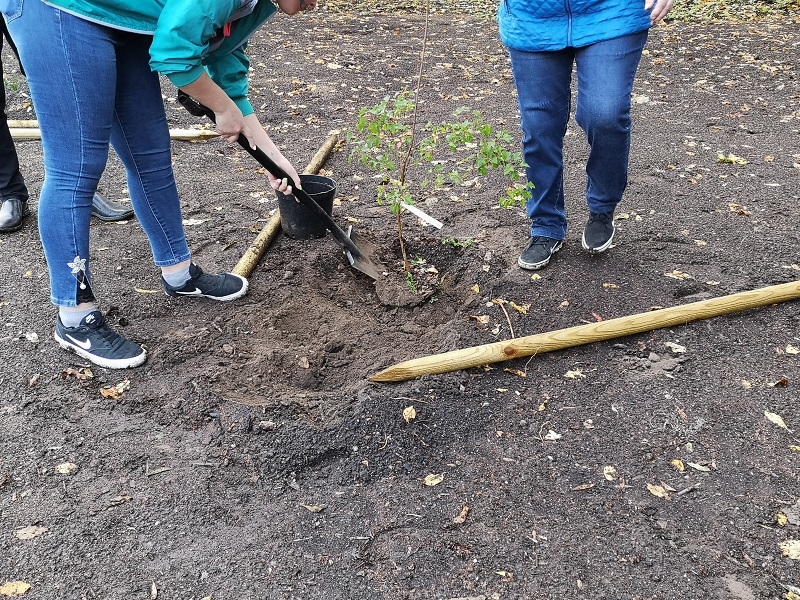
[603,40]
[93,71]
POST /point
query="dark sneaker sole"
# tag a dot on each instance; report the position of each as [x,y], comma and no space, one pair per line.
[542,263]
[108,363]
[602,248]
[198,294]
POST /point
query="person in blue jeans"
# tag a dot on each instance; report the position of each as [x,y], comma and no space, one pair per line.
[93,71]
[603,40]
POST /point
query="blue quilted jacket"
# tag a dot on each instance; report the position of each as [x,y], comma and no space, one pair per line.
[541,25]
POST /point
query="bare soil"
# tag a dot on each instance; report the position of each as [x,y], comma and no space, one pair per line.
[251,457]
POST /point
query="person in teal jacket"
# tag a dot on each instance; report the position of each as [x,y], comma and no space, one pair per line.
[93,71]
[603,40]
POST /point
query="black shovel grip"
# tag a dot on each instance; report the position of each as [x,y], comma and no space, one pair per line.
[198,110]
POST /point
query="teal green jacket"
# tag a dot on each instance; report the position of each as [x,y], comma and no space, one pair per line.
[182,31]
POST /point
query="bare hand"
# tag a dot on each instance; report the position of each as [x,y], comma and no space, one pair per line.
[660,9]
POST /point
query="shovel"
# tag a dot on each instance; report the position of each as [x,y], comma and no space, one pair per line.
[360,252]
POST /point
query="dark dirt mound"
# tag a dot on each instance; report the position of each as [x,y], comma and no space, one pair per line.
[251,457]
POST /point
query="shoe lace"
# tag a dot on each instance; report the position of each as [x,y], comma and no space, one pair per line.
[538,240]
[604,218]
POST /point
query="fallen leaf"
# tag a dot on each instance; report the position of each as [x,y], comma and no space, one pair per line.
[29,532]
[66,468]
[730,159]
[115,391]
[678,464]
[409,414]
[476,288]
[482,319]
[583,486]
[794,448]
[576,374]
[117,500]
[552,436]
[790,549]
[536,277]
[80,374]
[746,384]
[676,348]
[462,516]
[792,349]
[658,491]
[781,519]
[516,372]
[564,303]
[782,383]
[775,418]
[610,473]
[676,274]
[14,588]
[698,467]
[434,479]
[612,286]
[520,308]
[314,508]
[143,291]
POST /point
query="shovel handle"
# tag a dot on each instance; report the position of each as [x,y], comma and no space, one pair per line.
[199,110]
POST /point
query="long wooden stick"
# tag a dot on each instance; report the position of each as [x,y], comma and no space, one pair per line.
[188,135]
[253,254]
[584,334]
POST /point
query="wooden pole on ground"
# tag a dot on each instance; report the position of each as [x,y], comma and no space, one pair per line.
[253,254]
[585,334]
[29,130]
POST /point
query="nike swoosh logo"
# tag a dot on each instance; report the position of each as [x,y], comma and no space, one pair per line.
[194,292]
[85,344]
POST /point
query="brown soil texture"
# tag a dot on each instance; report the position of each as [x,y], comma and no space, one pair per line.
[251,456]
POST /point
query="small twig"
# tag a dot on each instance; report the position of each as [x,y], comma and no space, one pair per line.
[691,488]
[508,319]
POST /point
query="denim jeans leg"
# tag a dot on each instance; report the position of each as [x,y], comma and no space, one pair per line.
[543,87]
[72,86]
[606,71]
[140,137]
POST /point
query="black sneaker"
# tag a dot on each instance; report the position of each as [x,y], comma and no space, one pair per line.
[599,232]
[94,340]
[225,286]
[539,252]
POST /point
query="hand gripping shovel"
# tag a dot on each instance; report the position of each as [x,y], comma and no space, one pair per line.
[360,252]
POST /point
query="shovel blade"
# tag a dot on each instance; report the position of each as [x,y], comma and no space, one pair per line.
[366,260]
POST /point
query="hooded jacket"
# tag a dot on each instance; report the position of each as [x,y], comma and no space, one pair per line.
[545,25]
[184,34]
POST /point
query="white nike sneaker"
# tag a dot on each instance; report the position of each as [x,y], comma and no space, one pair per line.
[225,286]
[95,341]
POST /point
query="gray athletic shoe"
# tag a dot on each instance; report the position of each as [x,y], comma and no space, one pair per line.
[599,232]
[539,252]
[95,341]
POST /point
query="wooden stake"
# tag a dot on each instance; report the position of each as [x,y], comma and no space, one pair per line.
[585,334]
[32,132]
[268,233]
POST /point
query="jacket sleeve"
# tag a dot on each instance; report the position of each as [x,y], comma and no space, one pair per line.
[231,74]
[180,47]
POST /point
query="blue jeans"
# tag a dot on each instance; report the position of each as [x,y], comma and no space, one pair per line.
[92,85]
[605,73]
